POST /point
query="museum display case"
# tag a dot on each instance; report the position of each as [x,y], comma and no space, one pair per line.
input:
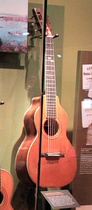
[45,105]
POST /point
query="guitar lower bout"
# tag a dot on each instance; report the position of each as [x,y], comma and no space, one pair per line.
[57,153]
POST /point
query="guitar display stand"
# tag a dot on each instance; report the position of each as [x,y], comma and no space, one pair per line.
[42,92]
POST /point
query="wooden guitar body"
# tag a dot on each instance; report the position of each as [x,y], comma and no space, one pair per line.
[6,190]
[58,159]
[20,162]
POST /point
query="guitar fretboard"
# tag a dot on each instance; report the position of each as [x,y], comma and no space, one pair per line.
[50,80]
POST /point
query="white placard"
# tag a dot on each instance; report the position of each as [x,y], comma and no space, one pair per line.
[86,76]
[86,106]
[60,199]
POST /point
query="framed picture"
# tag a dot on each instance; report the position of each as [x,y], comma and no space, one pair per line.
[13,25]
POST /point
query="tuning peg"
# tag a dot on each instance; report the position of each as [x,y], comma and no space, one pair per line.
[35,37]
[36,31]
[55,36]
[30,18]
[1,102]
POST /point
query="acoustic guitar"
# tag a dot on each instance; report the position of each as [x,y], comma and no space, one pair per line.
[58,158]
[6,190]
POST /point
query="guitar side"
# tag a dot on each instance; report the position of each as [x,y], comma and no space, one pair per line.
[58,159]
[30,130]
[6,190]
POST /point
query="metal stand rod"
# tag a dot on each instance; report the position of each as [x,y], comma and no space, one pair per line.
[42,90]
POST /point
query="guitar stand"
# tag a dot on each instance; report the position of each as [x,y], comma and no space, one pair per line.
[42,93]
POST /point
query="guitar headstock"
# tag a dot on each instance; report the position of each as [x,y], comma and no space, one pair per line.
[38,15]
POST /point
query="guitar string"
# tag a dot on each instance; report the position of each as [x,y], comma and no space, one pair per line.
[47,88]
[56,146]
[50,125]
[50,63]
[53,67]
[54,87]
[50,99]
[46,63]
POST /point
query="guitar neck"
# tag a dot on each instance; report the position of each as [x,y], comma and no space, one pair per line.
[50,80]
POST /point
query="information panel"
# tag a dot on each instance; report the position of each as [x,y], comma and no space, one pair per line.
[60,199]
[82,133]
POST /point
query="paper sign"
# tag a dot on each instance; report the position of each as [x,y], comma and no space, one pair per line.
[86,106]
[86,76]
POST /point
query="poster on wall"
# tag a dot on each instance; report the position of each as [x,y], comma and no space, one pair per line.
[13,25]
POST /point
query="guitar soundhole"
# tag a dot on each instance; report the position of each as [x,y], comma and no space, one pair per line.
[1,197]
[51,127]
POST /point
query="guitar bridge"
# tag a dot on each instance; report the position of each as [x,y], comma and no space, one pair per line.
[53,156]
